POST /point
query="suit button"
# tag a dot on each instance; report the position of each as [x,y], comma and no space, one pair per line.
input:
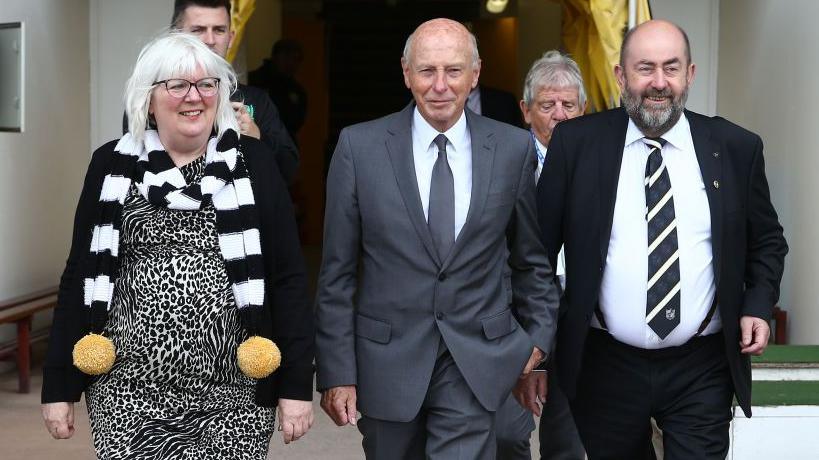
[442,277]
[439,316]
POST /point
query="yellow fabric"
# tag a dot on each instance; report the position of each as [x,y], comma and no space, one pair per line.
[240,13]
[258,357]
[592,33]
[94,354]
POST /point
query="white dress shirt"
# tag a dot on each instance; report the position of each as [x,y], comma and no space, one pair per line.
[560,269]
[623,288]
[459,155]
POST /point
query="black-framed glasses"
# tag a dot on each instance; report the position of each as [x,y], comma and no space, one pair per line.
[179,87]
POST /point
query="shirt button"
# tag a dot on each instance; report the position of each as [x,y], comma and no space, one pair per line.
[439,316]
[442,277]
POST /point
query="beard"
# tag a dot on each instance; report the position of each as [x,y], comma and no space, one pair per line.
[653,122]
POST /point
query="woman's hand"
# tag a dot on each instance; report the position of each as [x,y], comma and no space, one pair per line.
[295,418]
[59,419]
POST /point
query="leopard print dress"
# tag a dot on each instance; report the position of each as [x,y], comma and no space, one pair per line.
[175,391]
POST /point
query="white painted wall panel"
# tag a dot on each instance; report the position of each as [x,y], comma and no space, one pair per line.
[700,20]
[767,83]
[42,168]
[119,29]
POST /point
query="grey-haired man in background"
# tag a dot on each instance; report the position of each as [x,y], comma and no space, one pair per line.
[553,92]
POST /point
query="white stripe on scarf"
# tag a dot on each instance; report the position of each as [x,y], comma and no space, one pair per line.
[225,197]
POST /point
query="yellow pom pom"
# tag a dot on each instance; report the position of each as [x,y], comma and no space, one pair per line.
[258,357]
[94,354]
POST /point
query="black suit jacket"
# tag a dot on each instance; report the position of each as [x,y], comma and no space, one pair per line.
[576,195]
[500,105]
[273,131]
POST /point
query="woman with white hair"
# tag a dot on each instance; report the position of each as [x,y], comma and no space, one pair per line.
[182,312]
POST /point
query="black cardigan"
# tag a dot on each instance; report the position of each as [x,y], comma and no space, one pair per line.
[288,318]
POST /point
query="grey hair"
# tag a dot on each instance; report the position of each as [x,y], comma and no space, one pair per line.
[553,70]
[473,42]
[174,55]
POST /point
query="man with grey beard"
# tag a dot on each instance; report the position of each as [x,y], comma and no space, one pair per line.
[674,255]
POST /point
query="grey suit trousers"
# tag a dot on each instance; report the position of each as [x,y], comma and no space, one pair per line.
[452,424]
[558,435]
[513,428]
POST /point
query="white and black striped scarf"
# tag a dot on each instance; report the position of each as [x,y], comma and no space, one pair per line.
[225,183]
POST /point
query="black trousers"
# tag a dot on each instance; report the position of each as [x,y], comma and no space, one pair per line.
[687,389]
[558,434]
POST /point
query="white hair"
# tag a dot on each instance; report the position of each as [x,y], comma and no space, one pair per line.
[553,70]
[174,55]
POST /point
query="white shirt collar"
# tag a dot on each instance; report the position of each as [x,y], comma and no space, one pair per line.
[425,133]
[678,136]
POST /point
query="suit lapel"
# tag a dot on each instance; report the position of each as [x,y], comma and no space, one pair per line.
[610,157]
[483,154]
[710,160]
[399,148]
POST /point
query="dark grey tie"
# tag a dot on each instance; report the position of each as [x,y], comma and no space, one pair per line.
[441,212]
[663,296]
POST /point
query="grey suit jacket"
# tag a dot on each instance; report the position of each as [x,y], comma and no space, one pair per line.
[385,299]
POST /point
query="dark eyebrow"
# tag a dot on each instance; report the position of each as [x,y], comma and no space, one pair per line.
[663,64]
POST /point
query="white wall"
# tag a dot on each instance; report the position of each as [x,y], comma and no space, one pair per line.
[11,53]
[767,83]
[118,30]
[43,167]
[700,20]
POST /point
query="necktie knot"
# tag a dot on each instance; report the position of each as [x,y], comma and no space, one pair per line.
[655,142]
[440,142]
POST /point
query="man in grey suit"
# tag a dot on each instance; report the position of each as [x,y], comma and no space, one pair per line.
[435,293]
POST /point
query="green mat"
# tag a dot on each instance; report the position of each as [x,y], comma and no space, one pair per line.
[785,393]
[788,354]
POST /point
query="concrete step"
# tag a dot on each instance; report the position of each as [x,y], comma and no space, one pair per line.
[781,432]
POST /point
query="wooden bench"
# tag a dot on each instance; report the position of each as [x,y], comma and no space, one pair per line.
[20,310]
[779,331]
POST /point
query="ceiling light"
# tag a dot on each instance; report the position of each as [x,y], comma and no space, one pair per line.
[496,6]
